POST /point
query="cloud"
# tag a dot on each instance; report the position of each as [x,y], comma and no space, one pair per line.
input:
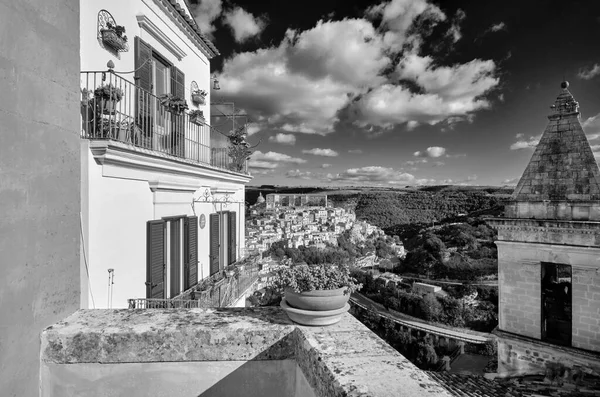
[455,156]
[312,77]
[373,174]
[321,152]
[438,163]
[299,174]
[525,143]
[415,162]
[454,31]
[206,13]
[271,160]
[511,181]
[497,27]
[432,151]
[325,165]
[284,139]
[591,126]
[253,129]
[355,151]
[589,73]
[243,24]
[445,91]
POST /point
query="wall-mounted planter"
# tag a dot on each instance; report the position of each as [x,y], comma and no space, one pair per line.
[111,39]
[111,35]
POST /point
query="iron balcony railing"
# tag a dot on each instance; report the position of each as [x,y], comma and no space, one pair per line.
[219,290]
[116,109]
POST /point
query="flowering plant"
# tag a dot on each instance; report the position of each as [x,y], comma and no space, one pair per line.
[301,278]
[109,92]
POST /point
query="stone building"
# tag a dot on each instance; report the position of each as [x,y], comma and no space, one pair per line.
[549,255]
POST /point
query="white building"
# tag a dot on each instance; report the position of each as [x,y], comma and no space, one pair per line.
[161,204]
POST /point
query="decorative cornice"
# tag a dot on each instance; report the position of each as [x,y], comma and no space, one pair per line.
[145,23]
[184,25]
[124,156]
[159,185]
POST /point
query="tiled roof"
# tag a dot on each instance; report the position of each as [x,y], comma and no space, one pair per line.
[563,165]
[526,386]
[194,26]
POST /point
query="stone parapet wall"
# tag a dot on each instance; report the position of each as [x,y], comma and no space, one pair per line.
[586,308]
[133,345]
[519,355]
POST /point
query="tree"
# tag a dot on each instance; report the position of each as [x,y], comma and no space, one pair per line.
[431,309]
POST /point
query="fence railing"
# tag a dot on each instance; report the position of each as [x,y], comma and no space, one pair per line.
[220,290]
[115,108]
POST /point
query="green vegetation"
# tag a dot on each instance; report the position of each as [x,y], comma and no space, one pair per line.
[453,310]
[391,209]
[302,278]
[454,251]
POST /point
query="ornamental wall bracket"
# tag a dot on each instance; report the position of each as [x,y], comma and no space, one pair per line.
[220,197]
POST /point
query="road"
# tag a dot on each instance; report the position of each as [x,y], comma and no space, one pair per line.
[412,322]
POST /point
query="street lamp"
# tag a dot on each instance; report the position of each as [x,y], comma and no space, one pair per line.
[216,86]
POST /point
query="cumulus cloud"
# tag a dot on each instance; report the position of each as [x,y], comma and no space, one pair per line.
[591,126]
[589,73]
[445,91]
[307,81]
[321,152]
[299,174]
[284,139]
[454,31]
[271,160]
[432,151]
[355,151]
[511,181]
[243,24]
[415,162]
[325,165]
[525,143]
[206,13]
[373,174]
[253,129]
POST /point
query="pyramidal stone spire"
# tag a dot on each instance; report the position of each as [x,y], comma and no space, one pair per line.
[562,167]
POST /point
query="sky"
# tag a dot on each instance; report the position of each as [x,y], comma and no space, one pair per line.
[401,92]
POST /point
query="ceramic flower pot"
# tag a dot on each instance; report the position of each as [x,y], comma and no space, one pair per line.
[314,317]
[318,300]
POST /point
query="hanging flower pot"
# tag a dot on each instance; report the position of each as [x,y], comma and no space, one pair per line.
[107,97]
[197,117]
[199,97]
[113,36]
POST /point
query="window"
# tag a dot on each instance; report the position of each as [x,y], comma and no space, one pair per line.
[556,303]
[223,240]
[172,256]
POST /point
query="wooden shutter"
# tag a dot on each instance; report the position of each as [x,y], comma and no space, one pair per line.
[191,251]
[143,81]
[175,257]
[214,243]
[231,232]
[178,134]
[155,259]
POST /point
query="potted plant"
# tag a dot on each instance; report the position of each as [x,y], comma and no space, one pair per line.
[197,116]
[198,97]
[315,294]
[175,104]
[114,36]
[108,95]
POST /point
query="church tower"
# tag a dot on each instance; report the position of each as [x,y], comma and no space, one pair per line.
[549,255]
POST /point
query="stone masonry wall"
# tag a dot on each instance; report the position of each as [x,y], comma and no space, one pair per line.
[517,356]
[586,309]
[40,182]
[520,298]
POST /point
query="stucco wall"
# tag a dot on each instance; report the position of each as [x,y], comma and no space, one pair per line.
[281,378]
[39,187]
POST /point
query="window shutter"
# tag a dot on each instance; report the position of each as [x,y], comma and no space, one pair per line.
[175,258]
[191,248]
[214,243]
[232,237]
[155,259]
[178,90]
[143,81]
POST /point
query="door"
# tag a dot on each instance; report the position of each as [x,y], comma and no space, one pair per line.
[161,86]
[191,252]
[155,259]
[556,303]
[175,262]
[144,101]
[232,244]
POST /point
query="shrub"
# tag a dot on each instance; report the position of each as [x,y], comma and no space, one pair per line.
[303,278]
[430,308]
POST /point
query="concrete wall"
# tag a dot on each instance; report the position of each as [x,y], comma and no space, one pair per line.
[39,186]
[206,378]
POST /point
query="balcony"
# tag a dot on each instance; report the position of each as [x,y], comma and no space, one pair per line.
[114,108]
[221,352]
[222,289]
